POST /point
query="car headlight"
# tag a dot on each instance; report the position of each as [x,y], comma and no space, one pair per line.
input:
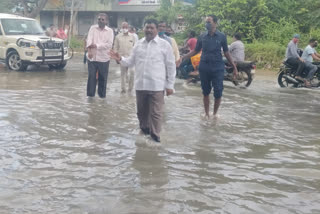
[24,43]
[65,43]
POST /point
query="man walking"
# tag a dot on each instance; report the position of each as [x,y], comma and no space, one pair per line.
[123,45]
[99,44]
[155,75]
[211,67]
[292,56]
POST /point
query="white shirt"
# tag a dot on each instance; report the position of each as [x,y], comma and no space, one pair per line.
[103,38]
[135,36]
[155,65]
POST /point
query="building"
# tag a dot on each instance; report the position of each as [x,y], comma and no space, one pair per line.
[57,12]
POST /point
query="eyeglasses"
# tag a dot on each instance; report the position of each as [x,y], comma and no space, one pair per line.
[100,19]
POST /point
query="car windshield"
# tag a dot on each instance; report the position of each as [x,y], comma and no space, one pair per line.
[21,27]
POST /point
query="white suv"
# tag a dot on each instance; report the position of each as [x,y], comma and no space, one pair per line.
[23,42]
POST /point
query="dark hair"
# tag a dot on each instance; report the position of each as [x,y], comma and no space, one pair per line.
[237,36]
[103,14]
[214,18]
[192,33]
[151,21]
[312,40]
[161,22]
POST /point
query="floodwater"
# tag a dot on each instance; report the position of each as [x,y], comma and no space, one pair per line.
[61,152]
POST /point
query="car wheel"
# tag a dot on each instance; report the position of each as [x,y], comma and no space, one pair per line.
[14,62]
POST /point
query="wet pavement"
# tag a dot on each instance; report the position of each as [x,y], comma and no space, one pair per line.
[64,153]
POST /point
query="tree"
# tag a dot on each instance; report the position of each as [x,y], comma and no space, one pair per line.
[167,12]
[246,16]
[32,8]
[6,6]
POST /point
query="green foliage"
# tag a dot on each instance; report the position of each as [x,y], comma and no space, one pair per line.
[314,33]
[180,38]
[265,54]
[167,12]
[246,16]
[77,44]
[280,32]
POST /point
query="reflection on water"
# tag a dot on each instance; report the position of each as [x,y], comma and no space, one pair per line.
[64,153]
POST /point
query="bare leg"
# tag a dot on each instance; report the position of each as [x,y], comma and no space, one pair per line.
[216,106]
[206,103]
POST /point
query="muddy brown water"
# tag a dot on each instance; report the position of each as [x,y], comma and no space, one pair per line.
[64,153]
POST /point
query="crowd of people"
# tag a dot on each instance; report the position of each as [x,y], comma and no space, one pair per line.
[53,31]
[149,65]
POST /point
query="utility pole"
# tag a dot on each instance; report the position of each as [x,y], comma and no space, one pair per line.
[71,24]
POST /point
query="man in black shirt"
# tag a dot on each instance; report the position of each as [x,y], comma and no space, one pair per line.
[211,66]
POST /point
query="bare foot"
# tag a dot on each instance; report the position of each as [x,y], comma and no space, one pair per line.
[216,116]
[205,116]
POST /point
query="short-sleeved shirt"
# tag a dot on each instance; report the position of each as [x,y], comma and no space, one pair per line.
[192,42]
[236,50]
[211,50]
[307,53]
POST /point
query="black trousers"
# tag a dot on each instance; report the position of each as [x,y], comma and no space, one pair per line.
[103,69]
[296,63]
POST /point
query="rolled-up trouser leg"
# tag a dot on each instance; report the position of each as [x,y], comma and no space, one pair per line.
[124,71]
[131,78]
[103,77]
[156,107]
[142,98]
[312,70]
[91,85]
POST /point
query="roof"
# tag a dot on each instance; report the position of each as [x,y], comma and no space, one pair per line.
[12,16]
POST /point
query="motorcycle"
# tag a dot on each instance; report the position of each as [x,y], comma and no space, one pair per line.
[246,71]
[286,77]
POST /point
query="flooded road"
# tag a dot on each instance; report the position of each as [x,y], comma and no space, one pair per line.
[64,153]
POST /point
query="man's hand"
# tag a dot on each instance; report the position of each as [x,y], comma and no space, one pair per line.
[178,62]
[302,60]
[169,91]
[92,46]
[235,73]
[90,55]
[115,56]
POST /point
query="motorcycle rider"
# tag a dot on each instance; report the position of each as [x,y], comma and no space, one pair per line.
[236,48]
[310,54]
[292,56]
[211,67]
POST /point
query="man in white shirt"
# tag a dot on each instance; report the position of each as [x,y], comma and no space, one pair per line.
[123,45]
[99,44]
[310,54]
[155,73]
[236,48]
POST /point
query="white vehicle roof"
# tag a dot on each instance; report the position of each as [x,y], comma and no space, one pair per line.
[12,16]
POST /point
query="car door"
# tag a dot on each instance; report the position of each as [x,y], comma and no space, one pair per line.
[2,45]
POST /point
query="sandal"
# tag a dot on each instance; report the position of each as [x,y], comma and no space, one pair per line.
[307,84]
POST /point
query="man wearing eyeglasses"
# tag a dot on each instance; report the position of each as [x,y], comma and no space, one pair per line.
[99,44]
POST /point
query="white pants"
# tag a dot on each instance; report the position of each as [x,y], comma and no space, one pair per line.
[127,75]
